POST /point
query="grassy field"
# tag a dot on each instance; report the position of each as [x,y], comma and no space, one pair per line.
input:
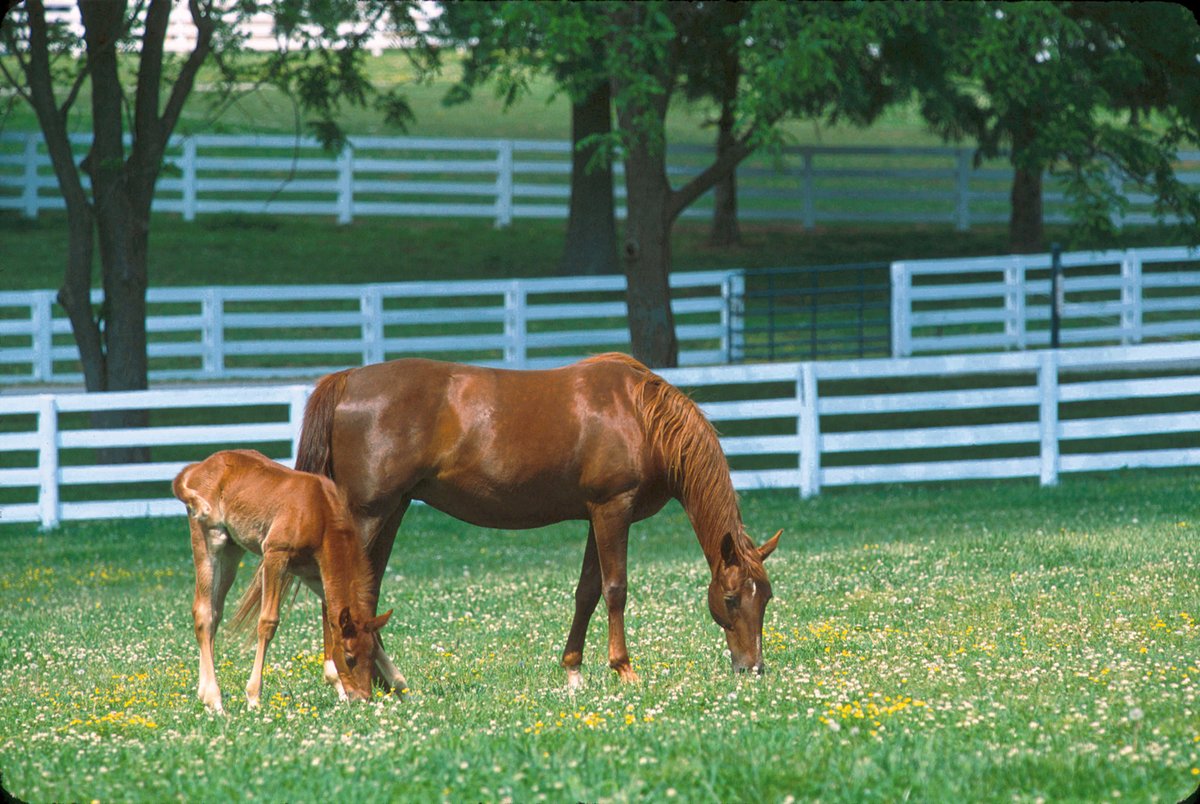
[984,642]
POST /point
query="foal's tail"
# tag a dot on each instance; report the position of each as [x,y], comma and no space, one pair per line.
[315,456]
[315,453]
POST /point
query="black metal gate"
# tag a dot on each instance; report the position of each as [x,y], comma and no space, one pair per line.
[813,313]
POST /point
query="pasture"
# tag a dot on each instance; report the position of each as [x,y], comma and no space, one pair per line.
[981,642]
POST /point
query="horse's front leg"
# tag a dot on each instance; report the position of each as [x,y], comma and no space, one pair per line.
[379,536]
[611,525]
[587,595]
[274,565]
[216,562]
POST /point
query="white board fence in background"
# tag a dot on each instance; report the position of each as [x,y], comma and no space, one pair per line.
[991,303]
[803,426]
[223,333]
[507,180]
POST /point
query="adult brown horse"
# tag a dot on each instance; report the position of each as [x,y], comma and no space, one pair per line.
[604,440]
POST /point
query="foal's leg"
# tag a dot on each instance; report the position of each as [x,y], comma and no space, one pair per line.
[611,525]
[216,565]
[274,564]
[331,674]
[587,595]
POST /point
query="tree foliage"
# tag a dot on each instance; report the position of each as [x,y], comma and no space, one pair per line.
[1099,95]
[137,92]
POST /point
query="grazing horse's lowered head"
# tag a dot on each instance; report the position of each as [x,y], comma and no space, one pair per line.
[738,597]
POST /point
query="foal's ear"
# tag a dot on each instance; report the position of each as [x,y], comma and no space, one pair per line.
[347,624]
[770,544]
[375,623]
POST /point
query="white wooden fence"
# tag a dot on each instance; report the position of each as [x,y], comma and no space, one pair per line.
[505,180]
[801,426]
[222,333]
[989,303]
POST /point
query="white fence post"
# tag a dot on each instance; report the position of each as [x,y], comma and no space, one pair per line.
[515,326]
[296,417]
[1131,298]
[48,503]
[188,166]
[1014,304]
[212,310]
[733,318]
[901,305]
[29,196]
[1048,391]
[962,196]
[504,184]
[42,335]
[808,428]
[345,196]
[371,305]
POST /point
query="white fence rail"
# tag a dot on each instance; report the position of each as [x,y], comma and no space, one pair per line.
[801,426]
[505,180]
[222,333]
[990,303]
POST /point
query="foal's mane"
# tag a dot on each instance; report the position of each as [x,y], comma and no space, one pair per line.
[696,466]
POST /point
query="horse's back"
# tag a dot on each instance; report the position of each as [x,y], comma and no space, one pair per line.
[495,447]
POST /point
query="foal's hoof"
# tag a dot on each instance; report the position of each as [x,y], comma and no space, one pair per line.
[626,674]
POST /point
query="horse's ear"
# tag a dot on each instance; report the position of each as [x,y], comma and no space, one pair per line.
[729,554]
[770,544]
[347,624]
[375,623]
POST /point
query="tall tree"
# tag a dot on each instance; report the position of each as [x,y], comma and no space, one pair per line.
[1098,95]
[137,94]
[498,42]
[809,59]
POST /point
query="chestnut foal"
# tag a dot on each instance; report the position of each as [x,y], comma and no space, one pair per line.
[240,500]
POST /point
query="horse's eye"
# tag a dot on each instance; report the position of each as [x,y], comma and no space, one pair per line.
[732,601]
[351,661]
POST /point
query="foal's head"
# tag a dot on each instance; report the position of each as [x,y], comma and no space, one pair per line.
[738,597]
[354,649]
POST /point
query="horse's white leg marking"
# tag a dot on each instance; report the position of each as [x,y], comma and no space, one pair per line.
[388,669]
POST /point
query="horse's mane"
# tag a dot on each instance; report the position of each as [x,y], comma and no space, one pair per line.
[696,466]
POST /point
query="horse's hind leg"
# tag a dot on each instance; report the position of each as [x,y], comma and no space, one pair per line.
[587,595]
[216,566]
[611,524]
[274,565]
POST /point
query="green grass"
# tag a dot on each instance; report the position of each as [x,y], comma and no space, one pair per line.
[983,642]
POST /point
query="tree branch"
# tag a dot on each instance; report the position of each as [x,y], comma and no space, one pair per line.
[205,26]
[686,195]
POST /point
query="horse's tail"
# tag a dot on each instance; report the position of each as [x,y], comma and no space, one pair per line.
[315,453]
[315,456]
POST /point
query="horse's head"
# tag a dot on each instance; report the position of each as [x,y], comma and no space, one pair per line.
[354,648]
[737,599]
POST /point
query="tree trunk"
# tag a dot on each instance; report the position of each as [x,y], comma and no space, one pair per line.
[1025,226]
[725,230]
[121,228]
[1025,229]
[646,253]
[591,241]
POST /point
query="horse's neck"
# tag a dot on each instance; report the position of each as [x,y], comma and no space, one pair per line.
[713,512]
[344,573]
